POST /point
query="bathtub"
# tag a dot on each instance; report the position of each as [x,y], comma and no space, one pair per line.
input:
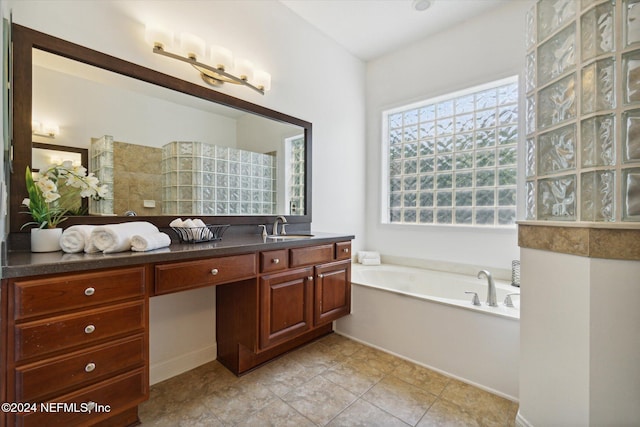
[425,316]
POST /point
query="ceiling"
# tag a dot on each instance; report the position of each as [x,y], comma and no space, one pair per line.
[372,28]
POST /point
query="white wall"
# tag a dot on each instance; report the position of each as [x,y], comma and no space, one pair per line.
[554,339]
[484,49]
[275,39]
[615,343]
[85,109]
[579,346]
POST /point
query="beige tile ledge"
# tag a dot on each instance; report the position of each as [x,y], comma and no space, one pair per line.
[583,240]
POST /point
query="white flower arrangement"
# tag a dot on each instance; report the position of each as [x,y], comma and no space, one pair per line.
[47,205]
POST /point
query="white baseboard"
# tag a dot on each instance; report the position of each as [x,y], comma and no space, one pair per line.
[170,368]
[433,368]
[521,421]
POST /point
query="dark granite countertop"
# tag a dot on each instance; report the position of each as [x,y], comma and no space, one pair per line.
[26,263]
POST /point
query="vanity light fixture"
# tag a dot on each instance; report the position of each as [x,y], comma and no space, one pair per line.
[193,51]
[47,129]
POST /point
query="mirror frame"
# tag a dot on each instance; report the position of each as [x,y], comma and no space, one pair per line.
[26,39]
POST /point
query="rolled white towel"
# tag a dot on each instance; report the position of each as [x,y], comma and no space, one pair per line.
[117,237]
[370,261]
[149,242]
[362,255]
[204,232]
[77,239]
[176,223]
[188,225]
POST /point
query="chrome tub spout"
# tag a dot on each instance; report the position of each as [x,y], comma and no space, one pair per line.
[492,300]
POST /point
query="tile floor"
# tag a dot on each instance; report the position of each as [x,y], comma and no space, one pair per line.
[334,381]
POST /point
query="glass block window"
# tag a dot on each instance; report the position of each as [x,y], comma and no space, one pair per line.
[453,160]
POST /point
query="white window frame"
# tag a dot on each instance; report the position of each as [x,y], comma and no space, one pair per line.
[385,213]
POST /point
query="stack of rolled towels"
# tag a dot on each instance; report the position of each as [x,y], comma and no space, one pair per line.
[194,229]
[369,257]
[138,236]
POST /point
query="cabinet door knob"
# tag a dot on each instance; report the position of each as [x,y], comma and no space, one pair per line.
[90,367]
[275,261]
[345,250]
[89,291]
[214,271]
[321,276]
[89,329]
[310,278]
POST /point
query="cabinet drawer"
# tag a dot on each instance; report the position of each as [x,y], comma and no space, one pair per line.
[56,333]
[119,393]
[89,366]
[273,261]
[311,255]
[213,271]
[343,250]
[56,294]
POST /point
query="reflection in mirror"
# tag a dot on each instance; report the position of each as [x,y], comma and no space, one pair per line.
[162,152]
[45,155]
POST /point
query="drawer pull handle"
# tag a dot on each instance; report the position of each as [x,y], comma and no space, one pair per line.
[321,276]
[345,250]
[214,271]
[89,329]
[310,278]
[275,261]
[89,291]
[90,367]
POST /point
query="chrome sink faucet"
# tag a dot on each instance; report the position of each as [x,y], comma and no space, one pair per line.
[275,225]
[492,300]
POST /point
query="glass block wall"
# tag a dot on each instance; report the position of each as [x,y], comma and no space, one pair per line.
[205,179]
[296,179]
[101,164]
[582,121]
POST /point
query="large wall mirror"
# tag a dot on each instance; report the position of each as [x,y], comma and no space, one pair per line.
[165,147]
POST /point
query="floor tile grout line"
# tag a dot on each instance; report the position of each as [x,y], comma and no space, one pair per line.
[336,357]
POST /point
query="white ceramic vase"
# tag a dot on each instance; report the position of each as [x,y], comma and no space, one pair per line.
[45,239]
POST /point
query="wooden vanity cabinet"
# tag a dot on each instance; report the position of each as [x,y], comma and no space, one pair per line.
[76,339]
[82,338]
[293,301]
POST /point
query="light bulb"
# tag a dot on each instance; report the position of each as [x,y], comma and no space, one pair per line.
[158,37]
[262,79]
[244,69]
[221,58]
[192,46]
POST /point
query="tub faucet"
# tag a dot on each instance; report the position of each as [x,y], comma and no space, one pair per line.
[491,292]
[508,301]
[275,225]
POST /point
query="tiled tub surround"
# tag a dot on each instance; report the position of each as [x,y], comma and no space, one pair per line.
[334,381]
[583,111]
[478,345]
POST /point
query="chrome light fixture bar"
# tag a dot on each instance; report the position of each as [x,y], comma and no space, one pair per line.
[194,49]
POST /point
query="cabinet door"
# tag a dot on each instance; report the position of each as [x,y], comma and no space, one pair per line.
[333,291]
[286,305]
